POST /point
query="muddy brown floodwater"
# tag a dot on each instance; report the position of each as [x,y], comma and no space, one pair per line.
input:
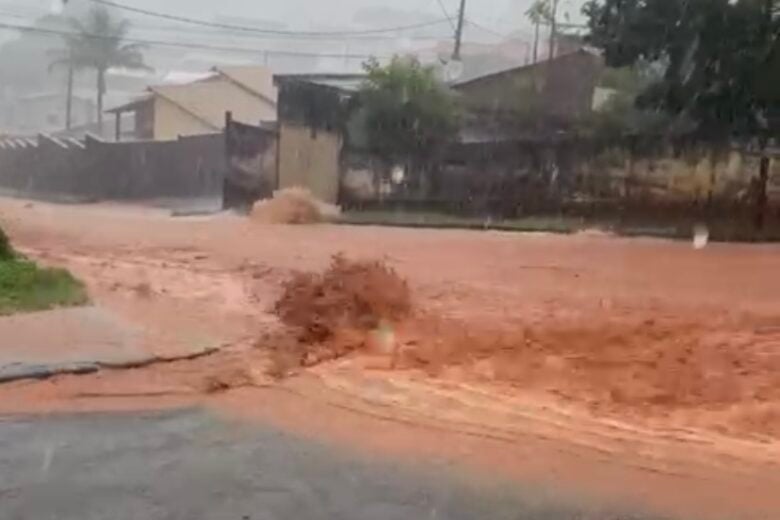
[647,362]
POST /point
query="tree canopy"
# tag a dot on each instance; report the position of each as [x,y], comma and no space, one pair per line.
[407,112]
[720,57]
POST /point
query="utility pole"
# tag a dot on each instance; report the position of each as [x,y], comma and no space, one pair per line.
[459,31]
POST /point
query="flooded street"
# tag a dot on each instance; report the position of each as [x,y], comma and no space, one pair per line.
[553,356]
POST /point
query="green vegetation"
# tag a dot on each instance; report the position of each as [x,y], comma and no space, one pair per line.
[407,113]
[723,229]
[25,287]
[553,224]
[720,61]
[718,57]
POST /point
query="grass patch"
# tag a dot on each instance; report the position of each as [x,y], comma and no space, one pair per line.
[445,221]
[25,287]
[725,229]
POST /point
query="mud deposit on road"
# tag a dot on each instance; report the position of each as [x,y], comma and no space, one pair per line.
[347,308]
[629,366]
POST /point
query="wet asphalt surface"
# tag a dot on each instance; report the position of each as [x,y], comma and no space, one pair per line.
[190,465]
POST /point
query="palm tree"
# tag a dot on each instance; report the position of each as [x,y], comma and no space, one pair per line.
[538,13]
[98,43]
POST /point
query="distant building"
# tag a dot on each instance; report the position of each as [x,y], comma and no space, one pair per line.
[561,87]
[540,98]
[169,111]
[45,112]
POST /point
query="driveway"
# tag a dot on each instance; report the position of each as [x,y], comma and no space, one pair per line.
[191,465]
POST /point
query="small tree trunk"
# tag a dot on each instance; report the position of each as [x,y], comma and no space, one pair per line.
[713,175]
[628,180]
[761,197]
[101,89]
[536,42]
[69,100]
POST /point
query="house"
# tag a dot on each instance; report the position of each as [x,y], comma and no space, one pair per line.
[560,89]
[45,112]
[169,111]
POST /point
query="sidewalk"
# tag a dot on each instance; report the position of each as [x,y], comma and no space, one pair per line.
[76,340]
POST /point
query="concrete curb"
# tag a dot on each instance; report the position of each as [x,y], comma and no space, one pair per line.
[22,371]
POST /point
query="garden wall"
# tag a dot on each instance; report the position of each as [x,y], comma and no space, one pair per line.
[187,169]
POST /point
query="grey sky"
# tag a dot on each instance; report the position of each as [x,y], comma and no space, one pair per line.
[500,15]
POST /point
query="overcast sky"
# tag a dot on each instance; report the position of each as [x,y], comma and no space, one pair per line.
[500,15]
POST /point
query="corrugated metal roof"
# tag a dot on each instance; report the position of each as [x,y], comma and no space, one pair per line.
[345,82]
[470,78]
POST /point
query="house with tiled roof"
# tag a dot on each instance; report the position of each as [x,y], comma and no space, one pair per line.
[166,112]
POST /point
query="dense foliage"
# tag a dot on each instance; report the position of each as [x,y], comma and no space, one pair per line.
[407,112]
[720,57]
[6,251]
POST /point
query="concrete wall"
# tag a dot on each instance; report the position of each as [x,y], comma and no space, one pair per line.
[525,177]
[310,159]
[190,168]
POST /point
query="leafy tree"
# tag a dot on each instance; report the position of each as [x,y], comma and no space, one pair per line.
[98,43]
[620,115]
[721,58]
[715,51]
[407,113]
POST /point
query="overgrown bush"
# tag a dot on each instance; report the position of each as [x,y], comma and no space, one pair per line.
[6,251]
[25,287]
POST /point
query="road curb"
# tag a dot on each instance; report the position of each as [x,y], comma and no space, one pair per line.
[31,371]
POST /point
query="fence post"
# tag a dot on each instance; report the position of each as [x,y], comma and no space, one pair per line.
[228,146]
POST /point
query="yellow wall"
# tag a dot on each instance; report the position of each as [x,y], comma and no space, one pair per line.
[246,107]
[694,175]
[310,160]
[170,121]
[175,105]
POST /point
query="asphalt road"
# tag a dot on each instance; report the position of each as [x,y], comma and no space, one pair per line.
[190,465]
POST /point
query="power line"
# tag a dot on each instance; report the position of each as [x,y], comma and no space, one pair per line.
[486,29]
[449,18]
[217,25]
[32,17]
[274,37]
[162,43]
